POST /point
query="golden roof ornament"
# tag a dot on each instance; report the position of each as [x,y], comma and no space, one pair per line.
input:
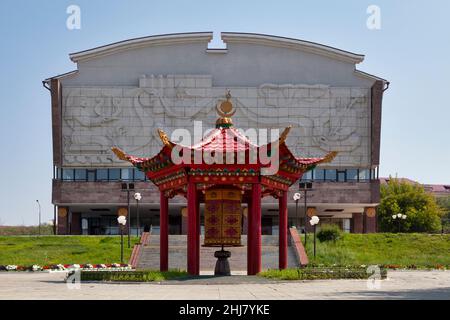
[164,138]
[225,111]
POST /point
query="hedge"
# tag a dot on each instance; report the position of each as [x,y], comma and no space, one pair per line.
[316,273]
[131,276]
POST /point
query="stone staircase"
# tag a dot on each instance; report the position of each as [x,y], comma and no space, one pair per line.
[149,257]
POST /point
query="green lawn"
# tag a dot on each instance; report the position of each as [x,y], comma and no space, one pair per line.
[421,250]
[46,250]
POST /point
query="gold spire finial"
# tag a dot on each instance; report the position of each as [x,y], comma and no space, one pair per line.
[225,111]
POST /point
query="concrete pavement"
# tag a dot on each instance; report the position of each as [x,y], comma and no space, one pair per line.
[399,285]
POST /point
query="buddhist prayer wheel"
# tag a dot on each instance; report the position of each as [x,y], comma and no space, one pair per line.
[223,187]
[223,213]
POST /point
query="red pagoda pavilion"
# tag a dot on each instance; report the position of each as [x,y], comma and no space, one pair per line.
[238,175]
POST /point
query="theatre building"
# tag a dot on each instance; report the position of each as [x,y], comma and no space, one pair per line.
[121,93]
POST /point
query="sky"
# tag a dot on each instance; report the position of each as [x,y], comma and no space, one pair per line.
[411,49]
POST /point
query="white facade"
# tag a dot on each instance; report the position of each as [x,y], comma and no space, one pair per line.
[122,93]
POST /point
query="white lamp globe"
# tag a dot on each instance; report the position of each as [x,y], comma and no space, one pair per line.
[394,216]
[404,216]
[122,220]
[297,196]
[137,196]
[314,220]
[399,215]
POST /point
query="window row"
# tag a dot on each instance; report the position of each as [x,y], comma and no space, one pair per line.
[340,175]
[133,174]
[107,174]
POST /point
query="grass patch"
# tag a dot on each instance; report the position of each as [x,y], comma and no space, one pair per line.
[313,273]
[404,249]
[47,250]
[132,276]
[25,230]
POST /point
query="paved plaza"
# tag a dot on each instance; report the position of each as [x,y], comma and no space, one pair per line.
[399,285]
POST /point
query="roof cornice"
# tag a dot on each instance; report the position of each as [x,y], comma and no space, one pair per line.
[307,46]
[166,39]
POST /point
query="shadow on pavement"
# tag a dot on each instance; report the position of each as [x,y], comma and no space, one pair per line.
[418,294]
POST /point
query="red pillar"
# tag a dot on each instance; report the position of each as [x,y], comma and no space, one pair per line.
[164,233]
[283,231]
[198,233]
[255,231]
[249,237]
[193,232]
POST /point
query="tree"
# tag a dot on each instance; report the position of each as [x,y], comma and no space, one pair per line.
[410,199]
[444,203]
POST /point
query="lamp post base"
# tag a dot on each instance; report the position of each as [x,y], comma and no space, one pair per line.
[222,264]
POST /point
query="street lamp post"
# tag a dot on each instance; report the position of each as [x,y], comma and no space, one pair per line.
[314,221]
[137,197]
[296,198]
[305,186]
[399,217]
[128,187]
[39,227]
[122,222]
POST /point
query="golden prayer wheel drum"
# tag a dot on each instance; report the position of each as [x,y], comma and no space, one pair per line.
[223,216]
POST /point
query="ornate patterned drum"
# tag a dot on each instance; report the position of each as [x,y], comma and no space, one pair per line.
[223,214]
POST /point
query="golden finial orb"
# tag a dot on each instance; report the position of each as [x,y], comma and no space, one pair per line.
[226,106]
[225,111]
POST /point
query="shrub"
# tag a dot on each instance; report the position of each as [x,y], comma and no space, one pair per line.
[401,197]
[329,232]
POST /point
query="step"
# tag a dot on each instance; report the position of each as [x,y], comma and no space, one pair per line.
[149,258]
[180,240]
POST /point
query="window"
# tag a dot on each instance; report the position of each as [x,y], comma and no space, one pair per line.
[127,174]
[373,174]
[91,175]
[67,174]
[102,174]
[80,174]
[341,175]
[139,175]
[114,174]
[308,176]
[319,175]
[346,225]
[59,174]
[330,175]
[364,174]
[352,174]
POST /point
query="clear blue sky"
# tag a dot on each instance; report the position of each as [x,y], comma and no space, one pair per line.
[411,50]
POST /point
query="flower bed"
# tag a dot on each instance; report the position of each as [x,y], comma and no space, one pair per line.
[387,266]
[322,273]
[62,267]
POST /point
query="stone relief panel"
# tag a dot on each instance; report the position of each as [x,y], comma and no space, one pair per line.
[324,118]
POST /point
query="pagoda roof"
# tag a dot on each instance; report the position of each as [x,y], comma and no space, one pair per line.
[225,140]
